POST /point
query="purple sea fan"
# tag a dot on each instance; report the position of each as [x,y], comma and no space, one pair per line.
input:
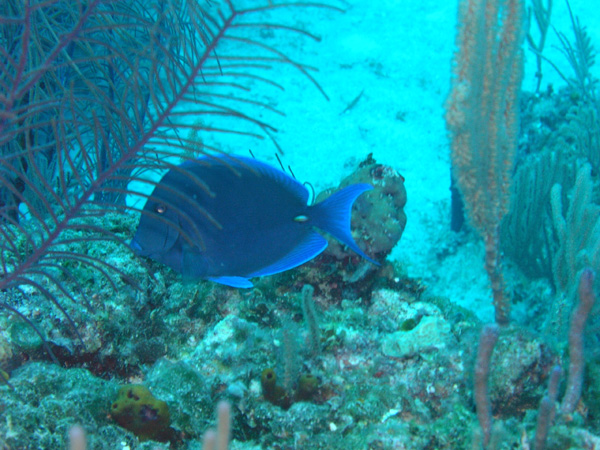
[93,93]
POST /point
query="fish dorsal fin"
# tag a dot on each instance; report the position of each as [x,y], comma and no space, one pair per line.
[307,249]
[278,176]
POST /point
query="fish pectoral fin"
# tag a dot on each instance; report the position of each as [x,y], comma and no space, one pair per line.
[238,282]
[307,249]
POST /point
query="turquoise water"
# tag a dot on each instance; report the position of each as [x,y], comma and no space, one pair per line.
[101,99]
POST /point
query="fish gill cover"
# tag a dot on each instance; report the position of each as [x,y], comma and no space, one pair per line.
[96,94]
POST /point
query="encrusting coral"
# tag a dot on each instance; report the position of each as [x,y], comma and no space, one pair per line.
[137,410]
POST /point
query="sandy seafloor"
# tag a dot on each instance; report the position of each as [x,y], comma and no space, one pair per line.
[398,54]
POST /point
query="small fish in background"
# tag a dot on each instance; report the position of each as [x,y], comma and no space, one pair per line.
[231,218]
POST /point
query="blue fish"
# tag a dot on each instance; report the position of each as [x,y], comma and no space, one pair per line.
[231,218]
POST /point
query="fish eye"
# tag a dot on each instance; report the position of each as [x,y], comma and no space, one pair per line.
[161,209]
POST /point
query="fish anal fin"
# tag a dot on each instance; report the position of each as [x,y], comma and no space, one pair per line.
[237,282]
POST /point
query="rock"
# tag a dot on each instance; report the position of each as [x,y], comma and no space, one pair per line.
[431,333]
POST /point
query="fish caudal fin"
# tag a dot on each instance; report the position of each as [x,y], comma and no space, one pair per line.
[333,215]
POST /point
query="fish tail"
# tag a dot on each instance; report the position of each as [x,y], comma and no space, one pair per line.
[333,215]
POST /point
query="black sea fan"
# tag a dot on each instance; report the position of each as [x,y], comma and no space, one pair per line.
[93,93]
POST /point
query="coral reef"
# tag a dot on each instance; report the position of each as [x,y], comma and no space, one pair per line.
[365,397]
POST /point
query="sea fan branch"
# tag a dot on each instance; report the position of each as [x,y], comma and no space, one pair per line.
[97,92]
